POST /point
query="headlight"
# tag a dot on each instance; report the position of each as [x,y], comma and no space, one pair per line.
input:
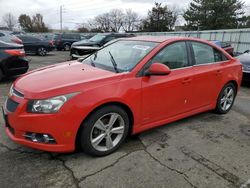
[51,105]
[246,68]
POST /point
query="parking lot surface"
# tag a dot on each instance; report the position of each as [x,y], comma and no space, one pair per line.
[206,150]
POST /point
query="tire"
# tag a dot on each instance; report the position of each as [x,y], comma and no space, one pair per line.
[98,125]
[226,99]
[66,47]
[42,51]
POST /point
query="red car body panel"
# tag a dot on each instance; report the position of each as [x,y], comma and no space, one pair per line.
[153,101]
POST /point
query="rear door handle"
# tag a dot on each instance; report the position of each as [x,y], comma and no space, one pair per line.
[219,72]
[186,80]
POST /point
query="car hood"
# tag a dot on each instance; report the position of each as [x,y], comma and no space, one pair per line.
[62,79]
[244,58]
[84,43]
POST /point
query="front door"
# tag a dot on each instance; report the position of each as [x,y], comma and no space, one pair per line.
[167,96]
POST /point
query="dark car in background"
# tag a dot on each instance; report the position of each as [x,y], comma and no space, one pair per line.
[245,61]
[64,41]
[85,47]
[12,60]
[6,36]
[36,45]
[226,46]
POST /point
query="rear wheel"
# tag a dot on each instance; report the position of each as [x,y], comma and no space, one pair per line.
[104,131]
[226,99]
[41,51]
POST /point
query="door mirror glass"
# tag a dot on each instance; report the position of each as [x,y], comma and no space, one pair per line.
[158,69]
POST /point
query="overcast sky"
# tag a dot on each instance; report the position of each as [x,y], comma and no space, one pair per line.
[79,11]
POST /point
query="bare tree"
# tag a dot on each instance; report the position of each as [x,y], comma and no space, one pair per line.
[101,22]
[10,20]
[116,17]
[131,21]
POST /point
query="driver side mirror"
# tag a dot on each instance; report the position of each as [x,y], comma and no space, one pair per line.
[157,69]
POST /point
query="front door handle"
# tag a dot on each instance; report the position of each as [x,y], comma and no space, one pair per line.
[186,81]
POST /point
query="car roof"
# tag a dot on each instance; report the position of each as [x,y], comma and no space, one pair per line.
[159,39]
[117,34]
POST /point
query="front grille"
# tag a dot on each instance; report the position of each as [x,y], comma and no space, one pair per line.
[11,105]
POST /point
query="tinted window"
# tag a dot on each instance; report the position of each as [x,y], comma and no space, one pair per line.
[204,54]
[70,36]
[219,56]
[28,38]
[174,56]
[1,34]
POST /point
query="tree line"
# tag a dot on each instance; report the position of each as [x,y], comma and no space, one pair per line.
[160,18]
[199,15]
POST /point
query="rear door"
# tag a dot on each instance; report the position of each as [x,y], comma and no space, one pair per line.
[30,43]
[208,70]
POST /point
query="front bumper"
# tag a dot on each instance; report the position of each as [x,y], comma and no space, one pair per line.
[60,126]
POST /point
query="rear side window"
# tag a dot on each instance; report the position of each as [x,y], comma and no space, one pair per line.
[28,38]
[205,54]
[70,36]
[174,56]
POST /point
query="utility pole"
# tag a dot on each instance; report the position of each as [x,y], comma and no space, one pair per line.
[61,18]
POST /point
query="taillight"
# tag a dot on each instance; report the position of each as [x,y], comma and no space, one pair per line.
[17,40]
[15,52]
[51,43]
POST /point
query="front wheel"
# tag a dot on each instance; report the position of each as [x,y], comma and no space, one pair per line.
[41,51]
[226,99]
[104,131]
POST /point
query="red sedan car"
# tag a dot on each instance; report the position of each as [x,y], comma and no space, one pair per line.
[127,87]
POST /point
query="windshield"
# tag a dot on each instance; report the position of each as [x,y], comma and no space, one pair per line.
[121,56]
[97,38]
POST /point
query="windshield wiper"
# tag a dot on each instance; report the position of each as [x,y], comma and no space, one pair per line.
[113,62]
[92,61]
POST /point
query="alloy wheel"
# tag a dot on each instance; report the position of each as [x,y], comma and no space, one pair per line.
[227,98]
[107,132]
[42,51]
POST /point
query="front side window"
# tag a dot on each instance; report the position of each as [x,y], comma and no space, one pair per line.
[204,54]
[173,55]
[124,54]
